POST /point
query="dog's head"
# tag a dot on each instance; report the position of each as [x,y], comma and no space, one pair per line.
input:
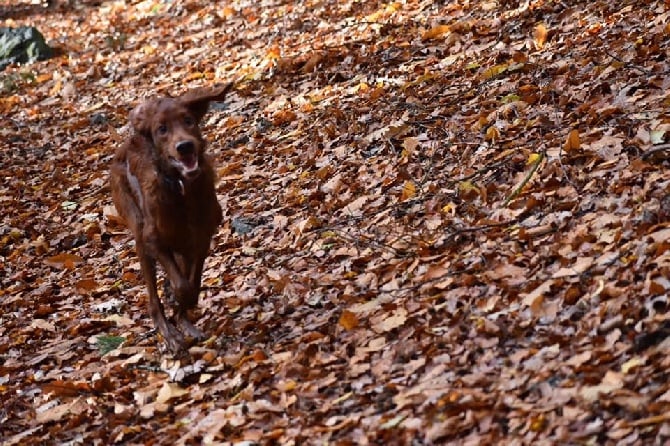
[172,124]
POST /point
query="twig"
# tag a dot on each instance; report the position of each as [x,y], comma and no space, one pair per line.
[654,150]
[146,367]
[520,187]
[629,64]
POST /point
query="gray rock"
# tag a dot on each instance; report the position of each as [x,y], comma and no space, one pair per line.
[22,45]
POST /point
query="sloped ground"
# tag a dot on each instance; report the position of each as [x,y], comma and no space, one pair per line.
[444,223]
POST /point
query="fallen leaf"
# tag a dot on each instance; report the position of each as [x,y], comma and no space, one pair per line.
[632,363]
[408,191]
[57,412]
[572,142]
[409,145]
[170,391]
[388,323]
[611,381]
[348,320]
[581,265]
[540,35]
[436,32]
[85,286]
[64,260]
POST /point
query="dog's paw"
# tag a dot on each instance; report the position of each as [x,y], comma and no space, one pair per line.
[174,339]
[189,329]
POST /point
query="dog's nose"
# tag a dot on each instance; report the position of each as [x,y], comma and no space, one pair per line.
[185,147]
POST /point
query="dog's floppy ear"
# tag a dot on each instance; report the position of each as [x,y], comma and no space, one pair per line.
[140,117]
[198,99]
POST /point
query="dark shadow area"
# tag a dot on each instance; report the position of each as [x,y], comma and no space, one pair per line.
[18,12]
[23,11]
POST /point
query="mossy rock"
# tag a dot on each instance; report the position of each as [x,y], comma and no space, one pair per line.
[22,45]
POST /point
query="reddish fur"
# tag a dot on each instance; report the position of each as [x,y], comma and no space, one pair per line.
[169,205]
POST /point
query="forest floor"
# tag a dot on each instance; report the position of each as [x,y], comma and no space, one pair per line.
[444,222]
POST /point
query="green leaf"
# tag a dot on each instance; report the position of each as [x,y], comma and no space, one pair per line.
[510,98]
[108,343]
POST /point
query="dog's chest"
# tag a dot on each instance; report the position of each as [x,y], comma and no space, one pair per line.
[185,216]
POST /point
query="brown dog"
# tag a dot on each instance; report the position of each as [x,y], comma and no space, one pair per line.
[163,186]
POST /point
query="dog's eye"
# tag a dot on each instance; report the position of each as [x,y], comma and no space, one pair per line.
[189,121]
[162,129]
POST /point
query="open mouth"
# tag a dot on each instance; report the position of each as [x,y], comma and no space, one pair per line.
[187,165]
[190,161]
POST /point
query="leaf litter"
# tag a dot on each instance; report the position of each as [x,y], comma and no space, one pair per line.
[444,223]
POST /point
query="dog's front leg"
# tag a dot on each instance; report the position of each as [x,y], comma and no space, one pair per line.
[192,268]
[173,338]
[185,291]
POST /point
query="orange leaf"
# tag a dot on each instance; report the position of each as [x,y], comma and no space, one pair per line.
[85,286]
[66,388]
[348,320]
[227,12]
[408,191]
[273,53]
[259,355]
[196,75]
[492,134]
[538,423]
[283,116]
[129,277]
[376,93]
[572,143]
[64,260]
[540,35]
[436,32]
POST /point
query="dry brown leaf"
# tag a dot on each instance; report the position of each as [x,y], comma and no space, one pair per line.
[286,386]
[607,147]
[611,381]
[409,145]
[581,265]
[528,299]
[507,271]
[579,359]
[313,61]
[354,207]
[335,109]
[388,323]
[58,411]
[660,236]
[170,391]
